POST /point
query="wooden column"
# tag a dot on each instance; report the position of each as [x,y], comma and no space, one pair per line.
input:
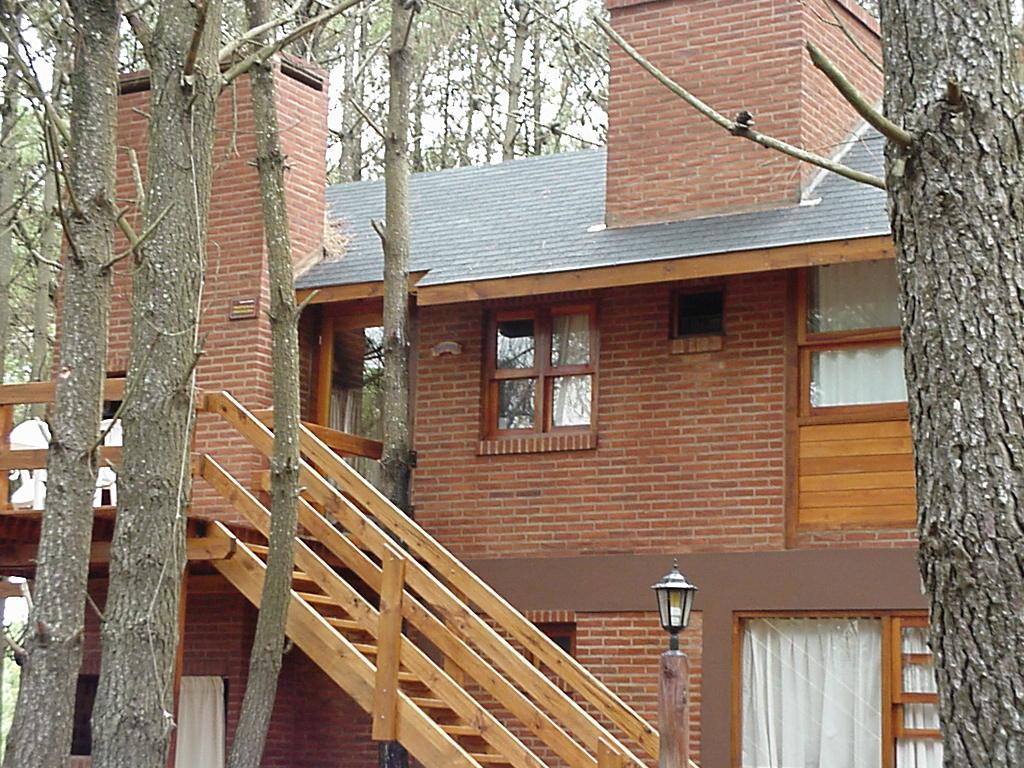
[6,424]
[179,667]
[389,639]
[673,710]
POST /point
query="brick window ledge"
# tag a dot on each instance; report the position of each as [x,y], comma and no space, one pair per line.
[504,446]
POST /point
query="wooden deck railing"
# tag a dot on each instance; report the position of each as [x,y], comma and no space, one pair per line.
[452,607]
[33,393]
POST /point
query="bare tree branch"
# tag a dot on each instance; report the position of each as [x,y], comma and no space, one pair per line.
[270,49]
[849,91]
[736,128]
[255,33]
[838,24]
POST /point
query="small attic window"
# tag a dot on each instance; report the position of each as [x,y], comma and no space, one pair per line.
[698,321]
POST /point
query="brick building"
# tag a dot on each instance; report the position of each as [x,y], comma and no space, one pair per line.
[680,346]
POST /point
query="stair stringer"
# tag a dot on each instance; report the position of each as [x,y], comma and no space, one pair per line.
[346,666]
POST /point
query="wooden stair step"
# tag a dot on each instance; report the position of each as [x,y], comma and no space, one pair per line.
[487,758]
[316,599]
[345,624]
[424,702]
[369,650]
[409,677]
[460,730]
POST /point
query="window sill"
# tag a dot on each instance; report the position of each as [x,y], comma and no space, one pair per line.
[550,443]
[693,345]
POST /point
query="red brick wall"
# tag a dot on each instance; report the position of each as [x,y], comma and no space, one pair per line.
[314,724]
[236,352]
[691,448]
[665,161]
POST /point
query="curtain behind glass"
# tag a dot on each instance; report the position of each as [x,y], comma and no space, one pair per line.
[812,693]
[200,739]
[857,376]
[846,297]
[918,678]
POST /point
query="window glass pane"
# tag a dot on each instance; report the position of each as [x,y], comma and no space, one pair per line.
[857,376]
[516,403]
[698,314]
[515,344]
[921,716]
[812,693]
[356,384]
[570,340]
[918,753]
[846,297]
[917,678]
[570,401]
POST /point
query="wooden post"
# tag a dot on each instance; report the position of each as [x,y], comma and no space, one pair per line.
[179,668]
[6,424]
[673,712]
[389,640]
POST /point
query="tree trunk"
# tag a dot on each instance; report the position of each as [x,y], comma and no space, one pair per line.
[350,165]
[957,208]
[8,179]
[395,461]
[41,732]
[131,722]
[268,642]
[515,86]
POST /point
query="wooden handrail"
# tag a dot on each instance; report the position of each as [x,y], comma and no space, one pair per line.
[344,443]
[467,583]
[43,392]
[342,662]
[35,458]
[356,606]
[462,620]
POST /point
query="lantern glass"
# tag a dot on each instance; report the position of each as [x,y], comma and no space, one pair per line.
[675,601]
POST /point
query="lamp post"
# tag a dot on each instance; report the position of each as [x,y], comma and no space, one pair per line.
[675,600]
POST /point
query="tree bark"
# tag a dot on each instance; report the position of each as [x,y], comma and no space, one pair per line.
[395,462]
[132,719]
[8,180]
[41,732]
[957,209]
[268,642]
[515,87]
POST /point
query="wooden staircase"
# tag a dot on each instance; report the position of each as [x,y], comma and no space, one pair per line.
[439,660]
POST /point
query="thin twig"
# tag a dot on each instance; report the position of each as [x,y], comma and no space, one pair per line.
[838,24]
[197,35]
[849,91]
[229,50]
[136,243]
[270,49]
[733,127]
[363,114]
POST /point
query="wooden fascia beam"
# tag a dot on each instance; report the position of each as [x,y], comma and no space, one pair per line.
[669,270]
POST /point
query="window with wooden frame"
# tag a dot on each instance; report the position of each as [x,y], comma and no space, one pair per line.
[849,338]
[834,690]
[848,414]
[540,370]
[698,320]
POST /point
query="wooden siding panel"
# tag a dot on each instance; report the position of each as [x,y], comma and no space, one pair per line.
[856,475]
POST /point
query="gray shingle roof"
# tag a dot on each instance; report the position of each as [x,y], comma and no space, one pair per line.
[544,214]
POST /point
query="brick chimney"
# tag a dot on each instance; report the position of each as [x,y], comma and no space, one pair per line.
[235,325]
[666,162]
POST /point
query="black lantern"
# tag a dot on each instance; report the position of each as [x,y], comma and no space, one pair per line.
[675,599]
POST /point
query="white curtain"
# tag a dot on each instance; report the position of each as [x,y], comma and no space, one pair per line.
[812,693]
[857,376]
[571,395]
[200,740]
[845,297]
[918,678]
